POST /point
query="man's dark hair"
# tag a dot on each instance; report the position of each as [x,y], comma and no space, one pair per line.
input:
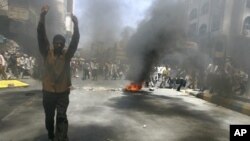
[59,37]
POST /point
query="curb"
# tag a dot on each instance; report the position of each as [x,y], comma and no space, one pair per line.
[235,105]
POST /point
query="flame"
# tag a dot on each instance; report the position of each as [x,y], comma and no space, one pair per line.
[133,87]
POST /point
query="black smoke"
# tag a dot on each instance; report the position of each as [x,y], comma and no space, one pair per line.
[161,33]
[100,21]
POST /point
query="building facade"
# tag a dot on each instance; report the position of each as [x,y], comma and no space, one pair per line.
[220,27]
[19,19]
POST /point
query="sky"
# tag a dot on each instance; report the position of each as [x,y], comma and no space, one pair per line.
[133,11]
[130,12]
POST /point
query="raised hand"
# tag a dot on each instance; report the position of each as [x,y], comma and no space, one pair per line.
[44,10]
[74,19]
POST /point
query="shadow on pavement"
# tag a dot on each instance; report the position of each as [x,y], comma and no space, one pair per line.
[208,135]
[93,133]
[159,105]
[89,133]
[12,103]
[16,98]
[206,128]
[19,92]
[43,137]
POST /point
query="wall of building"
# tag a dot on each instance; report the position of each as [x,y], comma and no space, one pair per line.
[225,36]
[22,16]
[244,16]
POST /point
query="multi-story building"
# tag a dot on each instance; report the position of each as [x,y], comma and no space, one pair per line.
[221,27]
[19,19]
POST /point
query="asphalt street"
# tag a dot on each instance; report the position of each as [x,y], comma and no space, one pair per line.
[101,111]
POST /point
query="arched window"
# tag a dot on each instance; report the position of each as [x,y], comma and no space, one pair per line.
[248,3]
[193,14]
[192,29]
[219,46]
[203,29]
[205,9]
[246,24]
[216,22]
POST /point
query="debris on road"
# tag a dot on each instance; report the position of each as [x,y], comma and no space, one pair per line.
[151,89]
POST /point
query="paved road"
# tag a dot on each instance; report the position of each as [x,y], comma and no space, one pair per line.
[100,111]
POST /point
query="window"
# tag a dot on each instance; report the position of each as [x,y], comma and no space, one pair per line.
[193,14]
[192,29]
[217,12]
[247,24]
[219,47]
[205,9]
[203,29]
[248,3]
[216,22]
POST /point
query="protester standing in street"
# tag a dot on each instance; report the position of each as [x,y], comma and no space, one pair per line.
[87,74]
[56,78]
[84,70]
[94,67]
[165,77]
[13,65]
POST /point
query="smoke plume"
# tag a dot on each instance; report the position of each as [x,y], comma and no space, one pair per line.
[160,33]
[100,21]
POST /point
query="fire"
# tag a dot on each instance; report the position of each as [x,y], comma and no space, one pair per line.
[133,87]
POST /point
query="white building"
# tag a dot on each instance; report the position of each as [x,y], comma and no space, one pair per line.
[218,22]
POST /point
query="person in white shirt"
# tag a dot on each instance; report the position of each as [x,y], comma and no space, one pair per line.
[114,71]
[2,67]
[94,67]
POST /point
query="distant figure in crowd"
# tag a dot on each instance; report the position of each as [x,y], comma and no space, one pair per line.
[56,78]
[114,73]
[180,79]
[74,67]
[165,77]
[106,71]
[13,65]
[2,67]
[85,71]
[94,67]
[160,71]
[210,74]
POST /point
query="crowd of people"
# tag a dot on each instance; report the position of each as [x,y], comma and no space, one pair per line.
[224,79]
[91,69]
[16,65]
[167,77]
[220,79]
